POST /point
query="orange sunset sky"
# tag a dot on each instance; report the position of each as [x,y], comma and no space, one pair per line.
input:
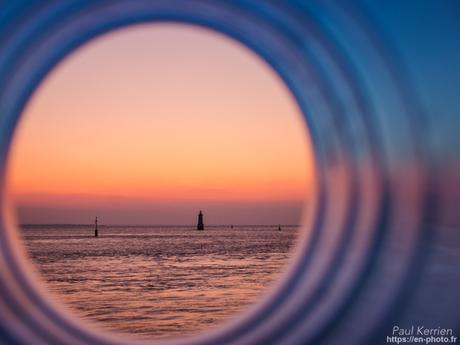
[151,123]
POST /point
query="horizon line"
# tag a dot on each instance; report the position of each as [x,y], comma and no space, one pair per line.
[153,225]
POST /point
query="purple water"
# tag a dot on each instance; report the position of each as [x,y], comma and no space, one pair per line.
[158,281]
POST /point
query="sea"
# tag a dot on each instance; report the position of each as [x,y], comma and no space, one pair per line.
[158,281]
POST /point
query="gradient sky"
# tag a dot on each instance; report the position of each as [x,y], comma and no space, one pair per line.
[149,124]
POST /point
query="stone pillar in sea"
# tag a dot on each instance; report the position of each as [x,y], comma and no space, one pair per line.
[200,225]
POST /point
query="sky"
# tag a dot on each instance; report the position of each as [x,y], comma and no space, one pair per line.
[151,123]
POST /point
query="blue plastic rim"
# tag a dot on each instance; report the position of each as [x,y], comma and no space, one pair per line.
[364,241]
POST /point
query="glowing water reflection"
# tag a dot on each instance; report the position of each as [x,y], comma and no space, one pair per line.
[158,281]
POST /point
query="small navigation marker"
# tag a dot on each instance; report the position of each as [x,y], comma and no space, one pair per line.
[95,229]
[279,227]
[200,225]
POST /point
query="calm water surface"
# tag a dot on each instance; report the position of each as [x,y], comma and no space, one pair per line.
[158,281]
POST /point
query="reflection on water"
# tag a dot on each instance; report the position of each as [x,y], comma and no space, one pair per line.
[158,281]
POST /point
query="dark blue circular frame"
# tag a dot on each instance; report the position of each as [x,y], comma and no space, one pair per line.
[340,70]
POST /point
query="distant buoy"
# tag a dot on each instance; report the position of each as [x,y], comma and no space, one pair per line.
[279,227]
[96,234]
